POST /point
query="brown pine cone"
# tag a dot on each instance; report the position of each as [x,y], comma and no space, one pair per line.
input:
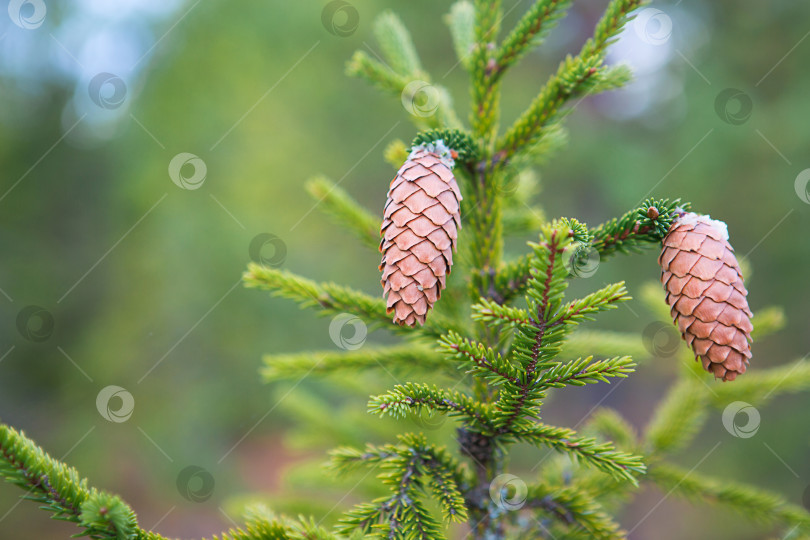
[419,229]
[706,294]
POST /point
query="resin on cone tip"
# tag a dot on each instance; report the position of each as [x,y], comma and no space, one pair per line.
[420,226]
[705,292]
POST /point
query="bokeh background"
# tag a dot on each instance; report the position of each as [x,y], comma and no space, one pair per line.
[140,278]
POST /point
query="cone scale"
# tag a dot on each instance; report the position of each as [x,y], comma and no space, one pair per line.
[706,294]
[419,232]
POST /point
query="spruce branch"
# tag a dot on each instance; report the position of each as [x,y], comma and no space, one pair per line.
[491,312]
[461,21]
[547,282]
[60,490]
[397,45]
[641,227]
[270,527]
[537,342]
[604,343]
[485,90]
[513,354]
[651,297]
[553,138]
[753,503]
[454,139]
[540,331]
[761,386]
[677,420]
[620,465]
[584,371]
[413,357]
[387,79]
[396,153]
[582,309]
[613,20]
[478,359]
[529,32]
[402,515]
[445,490]
[345,210]
[409,397]
[767,321]
[611,425]
[347,459]
[576,510]
[375,72]
[511,279]
[517,221]
[575,77]
[333,299]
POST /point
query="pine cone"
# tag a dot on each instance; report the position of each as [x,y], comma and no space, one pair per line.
[419,230]
[706,294]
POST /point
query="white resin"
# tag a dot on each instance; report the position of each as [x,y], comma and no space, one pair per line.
[691,217]
[436,147]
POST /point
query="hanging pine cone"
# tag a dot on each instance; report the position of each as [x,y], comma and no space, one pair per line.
[706,294]
[419,229]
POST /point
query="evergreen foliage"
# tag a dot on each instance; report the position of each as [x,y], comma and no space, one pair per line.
[503,337]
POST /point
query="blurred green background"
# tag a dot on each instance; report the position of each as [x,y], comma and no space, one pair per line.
[141,277]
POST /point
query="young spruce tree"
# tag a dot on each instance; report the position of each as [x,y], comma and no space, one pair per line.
[502,334]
